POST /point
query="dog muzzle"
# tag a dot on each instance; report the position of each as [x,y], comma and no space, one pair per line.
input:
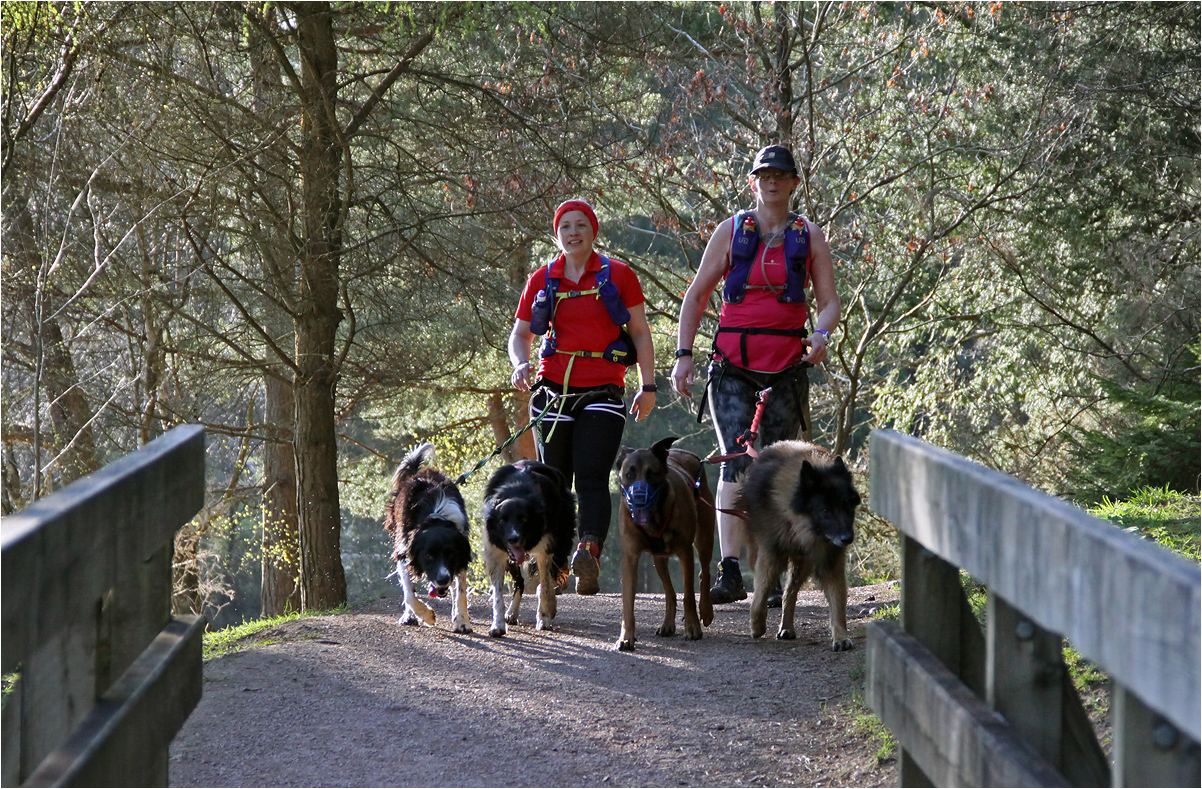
[640,498]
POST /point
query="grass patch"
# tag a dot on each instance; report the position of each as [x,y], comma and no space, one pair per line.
[869,725]
[1166,516]
[1086,675]
[10,685]
[864,721]
[232,639]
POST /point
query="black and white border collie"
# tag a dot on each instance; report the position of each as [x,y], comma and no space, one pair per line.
[529,517]
[428,522]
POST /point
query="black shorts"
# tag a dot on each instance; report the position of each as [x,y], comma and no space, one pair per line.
[732,395]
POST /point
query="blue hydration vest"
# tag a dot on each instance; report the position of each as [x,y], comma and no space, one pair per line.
[542,312]
[745,243]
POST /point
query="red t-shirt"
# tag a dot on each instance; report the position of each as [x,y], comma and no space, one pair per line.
[582,323]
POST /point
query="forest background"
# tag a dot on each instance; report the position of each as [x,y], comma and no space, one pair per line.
[305,226]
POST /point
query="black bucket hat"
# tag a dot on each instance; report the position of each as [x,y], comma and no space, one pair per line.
[776,156]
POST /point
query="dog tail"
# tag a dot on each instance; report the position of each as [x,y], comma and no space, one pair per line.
[420,455]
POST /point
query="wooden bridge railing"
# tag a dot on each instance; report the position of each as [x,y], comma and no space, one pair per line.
[998,708]
[106,675]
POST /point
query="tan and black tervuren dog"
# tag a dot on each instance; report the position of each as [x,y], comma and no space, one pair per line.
[667,510]
[800,501]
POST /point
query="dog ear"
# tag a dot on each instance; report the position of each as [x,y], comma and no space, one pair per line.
[660,448]
[845,477]
[622,453]
[808,476]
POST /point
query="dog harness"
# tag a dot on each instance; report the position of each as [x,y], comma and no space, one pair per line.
[783,316]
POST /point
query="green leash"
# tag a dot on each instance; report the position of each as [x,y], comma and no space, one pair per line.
[534,421]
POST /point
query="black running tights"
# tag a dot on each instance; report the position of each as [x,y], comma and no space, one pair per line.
[582,441]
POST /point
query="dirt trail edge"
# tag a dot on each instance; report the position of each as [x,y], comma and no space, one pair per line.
[357,700]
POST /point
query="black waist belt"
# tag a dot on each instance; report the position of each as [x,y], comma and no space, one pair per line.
[752,330]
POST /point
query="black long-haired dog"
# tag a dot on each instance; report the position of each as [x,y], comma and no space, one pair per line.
[801,502]
[428,522]
[529,517]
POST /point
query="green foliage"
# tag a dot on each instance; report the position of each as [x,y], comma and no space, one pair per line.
[9,684]
[870,726]
[864,721]
[1086,675]
[1145,440]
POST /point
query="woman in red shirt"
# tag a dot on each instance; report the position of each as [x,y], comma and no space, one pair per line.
[580,435]
[762,341]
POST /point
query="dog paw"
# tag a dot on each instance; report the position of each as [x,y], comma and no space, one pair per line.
[666,630]
[624,645]
[842,646]
[423,612]
[408,618]
[786,635]
[463,627]
[544,624]
[511,620]
[497,631]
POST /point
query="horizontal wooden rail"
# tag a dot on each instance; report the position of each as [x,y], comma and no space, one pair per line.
[139,714]
[948,725]
[106,675]
[1051,571]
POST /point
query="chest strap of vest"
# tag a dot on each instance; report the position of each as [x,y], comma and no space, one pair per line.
[745,243]
[546,301]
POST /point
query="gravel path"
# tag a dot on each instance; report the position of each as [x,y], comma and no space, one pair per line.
[356,700]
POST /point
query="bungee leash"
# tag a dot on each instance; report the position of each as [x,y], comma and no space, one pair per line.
[747,440]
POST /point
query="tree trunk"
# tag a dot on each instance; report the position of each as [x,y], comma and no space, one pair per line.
[70,413]
[323,582]
[524,448]
[280,590]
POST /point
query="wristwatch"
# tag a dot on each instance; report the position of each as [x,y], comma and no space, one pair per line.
[648,387]
[683,352]
[826,334]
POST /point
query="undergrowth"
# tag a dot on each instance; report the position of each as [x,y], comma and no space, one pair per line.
[1164,516]
[238,637]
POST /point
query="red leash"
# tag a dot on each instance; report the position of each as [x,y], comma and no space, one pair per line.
[747,440]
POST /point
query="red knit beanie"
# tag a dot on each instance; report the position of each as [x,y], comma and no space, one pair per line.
[574,205]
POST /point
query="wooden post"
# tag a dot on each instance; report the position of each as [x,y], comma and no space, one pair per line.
[929,590]
[935,611]
[1024,669]
[1148,749]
